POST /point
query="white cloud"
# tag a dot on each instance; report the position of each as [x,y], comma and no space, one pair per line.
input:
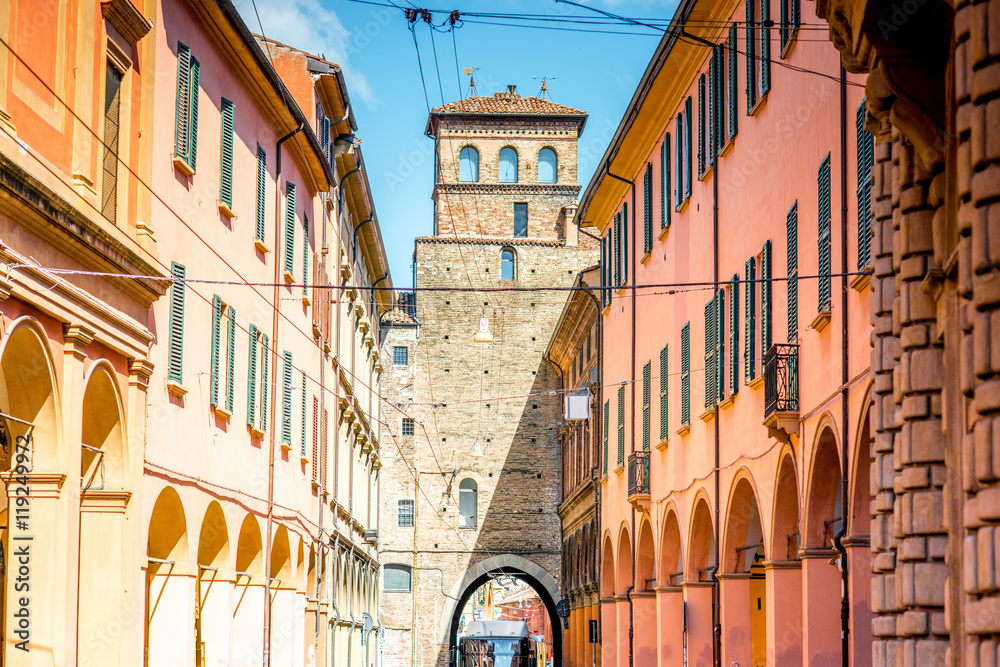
[308,25]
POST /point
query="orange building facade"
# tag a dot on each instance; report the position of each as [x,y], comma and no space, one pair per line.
[736,345]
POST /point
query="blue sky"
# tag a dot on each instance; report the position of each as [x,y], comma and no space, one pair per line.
[594,72]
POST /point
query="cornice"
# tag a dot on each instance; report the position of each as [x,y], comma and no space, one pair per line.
[126,19]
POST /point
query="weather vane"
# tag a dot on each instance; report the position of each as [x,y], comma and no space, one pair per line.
[468,71]
[544,92]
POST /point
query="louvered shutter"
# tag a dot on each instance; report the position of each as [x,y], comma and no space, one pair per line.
[795,16]
[286,399]
[213,381]
[305,398]
[783,30]
[625,246]
[664,378]
[710,374]
[665,182]
[765,47]
[647,195]
[688,166]
[733,101]
[324,449]
[618,249]
[175,362]
[264,380]
[183,103]
[734,334]
[289,228]
[231,360]
[261,191]
[314,459]
[607,418]
[792,234]
[226,166]
[718,96]
[305,254]
[679,185]
[750,322]
[712,113]
[751,56]
[621,426]
[701,125]
[686,374]
[866,162]
[824,235]
[252,379]
[720,345]
[604,271]
[193,117]
[645,405]
[765,299]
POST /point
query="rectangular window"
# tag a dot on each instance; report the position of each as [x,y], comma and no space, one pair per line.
[175,356]
[765,47]
[286,400]
[686,375]
[186,113]
[664,378]
[407,426]
[765,299]
[397,578]
[646,370]
[261,192]
[265,362]
[112,122]
[751,42]
[792,236]
[404,513]
[734,334]
[665,182]
[604,271]
[733,97]
[230,359]
[647,196]
[866,164]
[289,228]
[607,418]
[618,249]
[701,125]
[621,426]
[750,321]
[226,166]
[825,300]
[400,356]
[719,102]
[789,22]
[520,220]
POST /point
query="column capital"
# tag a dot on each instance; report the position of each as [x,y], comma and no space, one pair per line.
[76,337]
[139,371]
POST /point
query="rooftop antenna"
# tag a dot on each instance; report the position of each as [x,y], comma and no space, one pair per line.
[544,92]
[468,71]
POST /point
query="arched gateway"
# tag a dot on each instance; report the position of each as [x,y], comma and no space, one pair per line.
[507,565]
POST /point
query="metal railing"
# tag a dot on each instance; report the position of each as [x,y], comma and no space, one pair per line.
[638,474]
[781,379]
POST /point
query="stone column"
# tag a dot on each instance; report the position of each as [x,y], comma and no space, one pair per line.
[735,597]
[644,621]
[783,581]
[670,624]
[609,632]
[821,587]
[700,634]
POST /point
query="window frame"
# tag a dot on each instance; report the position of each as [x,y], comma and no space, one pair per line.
[404,422]
[396,567]
[400,513]
[524,207]
[465,520]
[555,166]
[504,152]
[513,264]
[395,355]
[474,152]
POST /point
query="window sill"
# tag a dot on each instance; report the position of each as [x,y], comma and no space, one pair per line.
[289,278]
[662,445]
[261,246]
[759,104]
[756,382]
[728,401]
[728,145]
[181,165]
[663,232]
[303,459]
[707,415]
[222,413]
[286,447]
[226,210]
[257,432]
[821,320]
[306,301]
[175,388]
[684,429]
[683,204]
[645,257]
[705,175]
[620,469]
[862,282]
[786,51]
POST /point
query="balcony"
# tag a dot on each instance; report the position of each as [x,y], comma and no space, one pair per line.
[781,391]
[638,480]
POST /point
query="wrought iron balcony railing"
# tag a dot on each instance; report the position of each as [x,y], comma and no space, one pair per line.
[638,474]
[781,380]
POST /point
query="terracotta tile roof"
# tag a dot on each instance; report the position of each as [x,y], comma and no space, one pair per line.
[397,315]
[508,103]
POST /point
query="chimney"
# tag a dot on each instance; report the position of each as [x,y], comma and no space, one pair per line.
[511,88]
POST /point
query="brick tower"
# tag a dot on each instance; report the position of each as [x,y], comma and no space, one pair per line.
[484,443]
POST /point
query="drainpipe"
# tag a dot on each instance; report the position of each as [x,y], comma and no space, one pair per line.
[628,591]
[324,253]
[845,601]
[273,406]
[717,587]
[350,602]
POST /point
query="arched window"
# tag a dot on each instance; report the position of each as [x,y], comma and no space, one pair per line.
[547,163]
[397,578]
[468,165]
[468,491]
[508,165]
[507,264]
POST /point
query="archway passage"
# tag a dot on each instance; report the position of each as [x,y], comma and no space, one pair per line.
[499,577]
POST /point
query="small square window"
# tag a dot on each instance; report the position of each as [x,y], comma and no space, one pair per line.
[404,513]
[400,356]
[407,426]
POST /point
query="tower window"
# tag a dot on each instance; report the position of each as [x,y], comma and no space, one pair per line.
[507,264]
[400,356]
[508,165]
[468,491]
[407,426]
[520,220]
[397,577]
[468,165]
[404,513]
[547,163]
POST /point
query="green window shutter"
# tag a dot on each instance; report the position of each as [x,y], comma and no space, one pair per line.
[720,345]
[645,405]
[226,167]
[701,125]
[731,52]
[621,426]
[665,182]
[231,358]
[712,113]
[625,247]
[686,375]
[286,399]
[750,321]
[183,103]
[783,31]
[175,361]
[710,353]
[261,189]
[305,398]
[305,254]
[866,163]
[825,301]
[795,16]
[688,149]
[792,231]
[193,117]
[647,195]
[252,379]
[765,299]
[618,249]
[607,418]
[289,228]
[751,57]
[604,271]
[765,47]
[734,334]
[679,184]
[664,378]
[265,349]
[717,107]
[213,381]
